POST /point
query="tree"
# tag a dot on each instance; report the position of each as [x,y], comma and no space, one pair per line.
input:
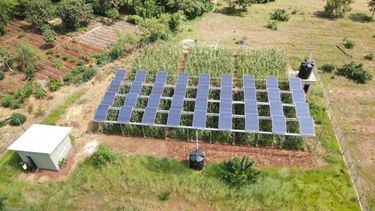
[74,13]
[27,57]
[7,8]
[337,8]
[371,5]
[39,12]
[49,35]
[243,4]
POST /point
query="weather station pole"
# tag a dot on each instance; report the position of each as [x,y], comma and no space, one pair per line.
[196,139]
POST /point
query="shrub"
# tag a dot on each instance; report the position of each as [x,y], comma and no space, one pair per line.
[27,56]
[280,15]
[39,92]
[175,20]
[107,8]
[17,119]
[134,19]
[272,25]
[2,75]
[237,172]
[88,74]
[370,57]
[74,76]
[348,44]
[164,195]
[74,13]
[24,92]
[54,85]
[155,29]
[58,63]
[2,124]
[101,157]
[7,8]
[38,12]
[112,13]
[328,68]
[49,35]
[292,142]
[355,72]
[6,100]
[124,44]
[16,103]
[337,8]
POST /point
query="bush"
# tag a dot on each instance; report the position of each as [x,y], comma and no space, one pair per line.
[370,57]
[124,44]
[164,195]
[237,172]
[112,13]
[155,29]
[54,85]
[280,15]
[74,76]
[7,8]
[7,100]
[39,92]
[107,8]
[328,68]
[292,142]
[348,44]
[101,157]
[38,12]
[337,8]
[24,92]
[175,20]
[355,72]
[272,25]
[16,103]
[88,74]
[74,13]
[49,35]
[2,75]
[17,119]
[27,57]
[134,19]
[58,63]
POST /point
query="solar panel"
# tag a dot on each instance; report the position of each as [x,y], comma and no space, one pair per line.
[272,82]
[302,110]
[157,89]
[249,81]
[180,89]
[225,121]
[182,78]
[149,116]
[131,99]
[307,126]
[108,98]
[153,101]
[226,80]
[125,114]
[225,106]
[161,77]
[174,117]
[199,119]
[278,124]
[251,107]
[276,108]
[201,104]
[140,76]
[295,84]
[273,94]
[204,79]
[250,93]
[252,122]
[120,75]
[226,93]
[114,86]
[101,113]
[177,102]
[203,91]
[298,96]
[136,87]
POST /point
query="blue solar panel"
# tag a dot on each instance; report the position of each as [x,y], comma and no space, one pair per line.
[251,122]
[114,86]
[201,104]
[174,117]
[136,87]
[251,107]
[161,77]
[204,79]
[272,82]
[108,98]
[226,81]
[177,102]
[101,113]
[125,114]
[298,96]
[180,89]
[131,99]
[199,119]
[153,101]
[249,81]
[302,110]
[307,126]
[273,94]
[278,124]
[226,93]
[250,93]
[225,106]
[157,89]
[276,108]
[295,84]
[149,116]
[140,76]
[203,91]
[182,78]
[225,121]
[120,75]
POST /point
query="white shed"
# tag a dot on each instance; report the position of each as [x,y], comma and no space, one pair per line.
[45,145]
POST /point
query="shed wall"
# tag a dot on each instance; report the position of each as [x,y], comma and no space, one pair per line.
[61,152]
[41,160]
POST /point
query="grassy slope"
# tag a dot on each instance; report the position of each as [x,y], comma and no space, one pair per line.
[304,33]
[136,181]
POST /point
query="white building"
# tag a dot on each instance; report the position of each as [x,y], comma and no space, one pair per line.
[44,145]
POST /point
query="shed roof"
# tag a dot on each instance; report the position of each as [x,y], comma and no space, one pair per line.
[40,139]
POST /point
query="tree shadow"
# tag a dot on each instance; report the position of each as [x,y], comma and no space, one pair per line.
[360,17]
[323,15]
[231,11]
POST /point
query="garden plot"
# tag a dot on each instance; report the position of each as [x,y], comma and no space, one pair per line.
[101,36]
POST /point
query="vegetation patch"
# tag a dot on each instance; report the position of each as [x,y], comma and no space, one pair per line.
[237,172]
[280,15]
[355,72]
[17,119]
[101,157]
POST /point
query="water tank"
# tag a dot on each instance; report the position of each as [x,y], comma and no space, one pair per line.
[196,159]
[306,69]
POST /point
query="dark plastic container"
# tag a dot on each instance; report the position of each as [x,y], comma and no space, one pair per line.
[196,159]
[306,69]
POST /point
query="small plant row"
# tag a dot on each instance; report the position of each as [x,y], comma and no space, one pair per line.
[16,99]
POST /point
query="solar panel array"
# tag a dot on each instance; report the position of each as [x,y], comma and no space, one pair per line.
[225,116]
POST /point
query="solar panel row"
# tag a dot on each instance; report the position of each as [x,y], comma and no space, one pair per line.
[174,114]
[276,106]
[251,107]
[226,101]
[201,101]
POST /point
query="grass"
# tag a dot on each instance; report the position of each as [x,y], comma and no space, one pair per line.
[55,115]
